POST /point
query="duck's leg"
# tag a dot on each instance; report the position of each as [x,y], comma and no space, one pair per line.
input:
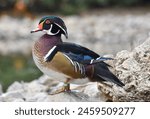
[64,88]
[67,86]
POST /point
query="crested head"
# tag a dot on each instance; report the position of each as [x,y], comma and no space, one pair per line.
[52,25]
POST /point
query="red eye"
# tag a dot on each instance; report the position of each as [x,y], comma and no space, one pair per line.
[47,21]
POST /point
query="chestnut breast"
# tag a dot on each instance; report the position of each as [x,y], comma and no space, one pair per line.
[59,67]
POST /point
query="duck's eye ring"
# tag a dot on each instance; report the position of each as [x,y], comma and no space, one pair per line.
[47,21]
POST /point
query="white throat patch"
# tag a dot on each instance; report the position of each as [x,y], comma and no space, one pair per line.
[49,32]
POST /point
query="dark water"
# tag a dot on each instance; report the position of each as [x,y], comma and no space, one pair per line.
[17,68]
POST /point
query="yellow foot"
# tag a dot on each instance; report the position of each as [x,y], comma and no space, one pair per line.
[65,88]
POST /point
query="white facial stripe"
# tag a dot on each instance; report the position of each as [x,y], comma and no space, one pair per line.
[49,31]
[61,28]
[49,53]
[51,27]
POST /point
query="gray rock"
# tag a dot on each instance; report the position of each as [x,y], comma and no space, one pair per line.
[133,68]
[16,86]
[70,97]
[12,96]
[38,91]
[37,97]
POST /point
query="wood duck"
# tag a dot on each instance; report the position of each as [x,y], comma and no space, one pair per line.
[68,62]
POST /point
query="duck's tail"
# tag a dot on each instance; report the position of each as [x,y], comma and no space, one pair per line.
[100,72]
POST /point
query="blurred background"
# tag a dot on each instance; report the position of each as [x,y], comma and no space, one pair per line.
[105,26]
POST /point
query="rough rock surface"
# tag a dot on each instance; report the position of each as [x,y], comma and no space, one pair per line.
[133,68]
[38,90]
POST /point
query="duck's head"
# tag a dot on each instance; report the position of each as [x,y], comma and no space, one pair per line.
[52,25]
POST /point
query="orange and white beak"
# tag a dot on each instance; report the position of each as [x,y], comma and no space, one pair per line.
[39,28]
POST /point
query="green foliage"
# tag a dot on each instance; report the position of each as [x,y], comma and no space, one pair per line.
[17,68]
[70,6]
[126,2]
[76,6]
